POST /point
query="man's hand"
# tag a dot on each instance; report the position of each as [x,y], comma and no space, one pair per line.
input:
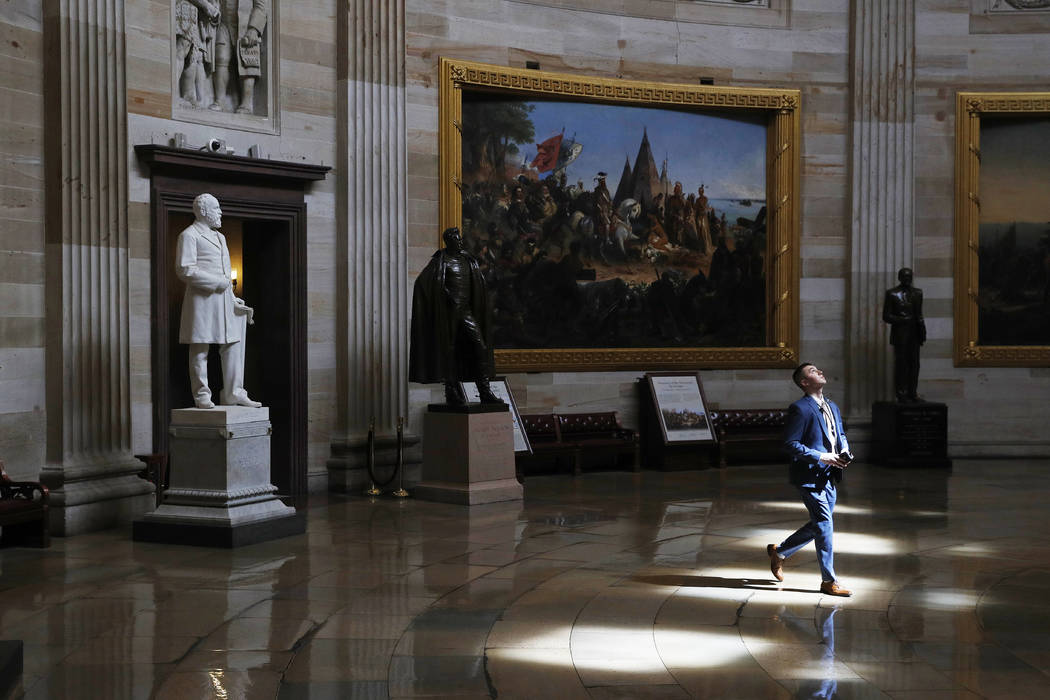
[221,286]
[832,460]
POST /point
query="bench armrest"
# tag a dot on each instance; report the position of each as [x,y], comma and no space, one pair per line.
[24,490]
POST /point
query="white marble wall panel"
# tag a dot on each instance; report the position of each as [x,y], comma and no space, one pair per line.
[22,299]
[17,394]
[823,320]
[824,250]
[820,290]
[938,247]
[946,22]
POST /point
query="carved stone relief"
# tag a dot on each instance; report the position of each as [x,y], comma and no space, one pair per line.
[738,13]
[223,61]
[1018,5]
[756,3]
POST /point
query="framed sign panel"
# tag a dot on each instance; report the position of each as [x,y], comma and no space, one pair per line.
[502,391]
[680,407]
[625,224]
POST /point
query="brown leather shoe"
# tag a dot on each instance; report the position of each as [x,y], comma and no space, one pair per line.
[776,564]
[833,588]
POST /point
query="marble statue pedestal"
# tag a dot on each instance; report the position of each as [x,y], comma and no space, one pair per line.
[220,493]
[468,455]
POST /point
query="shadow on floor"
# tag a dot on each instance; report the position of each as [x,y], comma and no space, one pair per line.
[718,582]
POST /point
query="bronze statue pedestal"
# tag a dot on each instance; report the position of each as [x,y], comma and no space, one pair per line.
[912,434]
[468,455]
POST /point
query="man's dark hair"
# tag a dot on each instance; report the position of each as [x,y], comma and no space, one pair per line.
[796,376]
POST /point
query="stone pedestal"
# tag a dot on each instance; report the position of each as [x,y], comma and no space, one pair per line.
[909,434]
[220,493]
[468,455]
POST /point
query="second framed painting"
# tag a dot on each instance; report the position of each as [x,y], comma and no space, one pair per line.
[1002,237]
[623,224]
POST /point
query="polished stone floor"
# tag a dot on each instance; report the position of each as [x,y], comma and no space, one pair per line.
[612,585]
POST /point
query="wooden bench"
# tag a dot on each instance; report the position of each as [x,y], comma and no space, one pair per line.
[560,435]
[544,433]
[749,435]
[23,512]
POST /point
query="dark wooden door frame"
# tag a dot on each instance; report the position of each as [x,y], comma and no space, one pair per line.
[251,190]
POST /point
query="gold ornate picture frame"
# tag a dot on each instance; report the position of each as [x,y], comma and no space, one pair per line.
[1000,321]
[776,258]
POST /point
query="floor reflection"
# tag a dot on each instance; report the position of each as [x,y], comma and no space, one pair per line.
[610,585]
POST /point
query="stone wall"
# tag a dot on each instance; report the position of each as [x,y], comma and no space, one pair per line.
[991,410]
[806,49]
[307,132]
[22,425]
[803,44]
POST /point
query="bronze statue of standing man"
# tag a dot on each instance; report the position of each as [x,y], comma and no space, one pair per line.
[902,309]
[452,323]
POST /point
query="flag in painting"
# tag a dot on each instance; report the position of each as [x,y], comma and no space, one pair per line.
[547,154]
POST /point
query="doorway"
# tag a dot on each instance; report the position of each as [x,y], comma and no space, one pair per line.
[264,221]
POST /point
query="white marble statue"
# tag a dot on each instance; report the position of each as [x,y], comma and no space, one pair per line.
[220,52]
[238,52]
[211,314]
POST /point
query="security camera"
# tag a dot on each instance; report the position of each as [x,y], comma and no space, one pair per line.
[216,145]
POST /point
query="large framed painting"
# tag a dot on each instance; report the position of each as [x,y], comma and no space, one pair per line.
[1002,238]
[623,224]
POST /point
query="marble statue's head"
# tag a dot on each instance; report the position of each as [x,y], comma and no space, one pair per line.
[206,208]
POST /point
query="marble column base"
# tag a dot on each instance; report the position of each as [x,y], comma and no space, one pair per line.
[468,458]
[220,492]
[95,498]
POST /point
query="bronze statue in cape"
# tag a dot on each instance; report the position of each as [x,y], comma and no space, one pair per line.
[452,323]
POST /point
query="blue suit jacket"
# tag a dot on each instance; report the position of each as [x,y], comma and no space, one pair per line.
[805,438]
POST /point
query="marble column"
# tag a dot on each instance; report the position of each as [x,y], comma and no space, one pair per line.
[89,464]
[882,227]
[372,258]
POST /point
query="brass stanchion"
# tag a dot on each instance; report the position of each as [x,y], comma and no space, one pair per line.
[372,490]
[401,492]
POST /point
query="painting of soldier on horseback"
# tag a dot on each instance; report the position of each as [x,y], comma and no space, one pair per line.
[674,256]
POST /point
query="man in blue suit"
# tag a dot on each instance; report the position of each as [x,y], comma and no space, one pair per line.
[816,442]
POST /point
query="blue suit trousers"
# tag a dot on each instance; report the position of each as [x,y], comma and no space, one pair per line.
[821,504]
